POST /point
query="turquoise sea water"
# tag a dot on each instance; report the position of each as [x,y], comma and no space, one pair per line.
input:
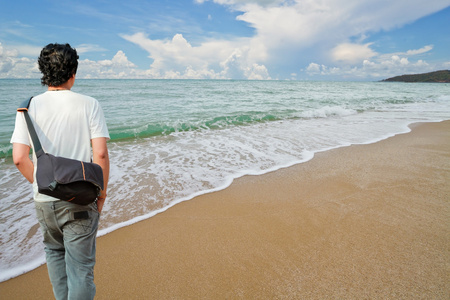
[174,139]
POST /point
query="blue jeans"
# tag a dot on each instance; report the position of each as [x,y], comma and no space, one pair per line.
[69,237]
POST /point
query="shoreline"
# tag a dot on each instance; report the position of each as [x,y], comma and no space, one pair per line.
[30,266]
[221,245]
[231,180]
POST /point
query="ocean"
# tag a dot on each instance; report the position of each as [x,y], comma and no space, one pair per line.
[172,140]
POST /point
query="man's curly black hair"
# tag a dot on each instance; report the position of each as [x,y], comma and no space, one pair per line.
[57,63]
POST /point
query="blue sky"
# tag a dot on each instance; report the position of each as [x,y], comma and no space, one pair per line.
[230,39]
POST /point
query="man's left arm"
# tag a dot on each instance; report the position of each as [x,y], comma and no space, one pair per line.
[100,156]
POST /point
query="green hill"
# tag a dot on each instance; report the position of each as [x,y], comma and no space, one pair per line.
[438,76]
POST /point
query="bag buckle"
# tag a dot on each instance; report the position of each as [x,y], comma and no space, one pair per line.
[52,186]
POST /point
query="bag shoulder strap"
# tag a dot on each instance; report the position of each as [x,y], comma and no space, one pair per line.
[37,144]
[24,105]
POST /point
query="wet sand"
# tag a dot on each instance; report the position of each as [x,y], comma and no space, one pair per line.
[360,222]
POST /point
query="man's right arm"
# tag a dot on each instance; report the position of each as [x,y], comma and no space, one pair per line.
[21,158]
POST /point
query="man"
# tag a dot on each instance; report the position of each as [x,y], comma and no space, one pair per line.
[67,125]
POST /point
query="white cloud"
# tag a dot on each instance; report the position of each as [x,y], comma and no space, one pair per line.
[316,69]
[4,53]
[85,48]
[306,22]
[395,65]
[211,59]
[420,51]
[14,66]
[20,50]
[352,53]
[236,66]
[286,31]
[118,67]
[29,51]
[313,68]
[380,66]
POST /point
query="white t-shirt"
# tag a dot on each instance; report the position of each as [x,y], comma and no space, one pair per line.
[65,123]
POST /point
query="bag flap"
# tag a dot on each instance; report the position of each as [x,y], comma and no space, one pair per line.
[66,170]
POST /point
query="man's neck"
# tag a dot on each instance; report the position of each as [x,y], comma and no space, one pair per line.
[65,86]
[61,87]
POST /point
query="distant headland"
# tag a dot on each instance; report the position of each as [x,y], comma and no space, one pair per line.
[437,76]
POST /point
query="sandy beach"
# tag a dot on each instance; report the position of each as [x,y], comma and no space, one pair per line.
[359,222]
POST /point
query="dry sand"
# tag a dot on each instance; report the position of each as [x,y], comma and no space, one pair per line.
[360,222]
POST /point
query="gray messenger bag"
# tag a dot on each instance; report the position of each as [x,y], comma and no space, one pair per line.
[63,178]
